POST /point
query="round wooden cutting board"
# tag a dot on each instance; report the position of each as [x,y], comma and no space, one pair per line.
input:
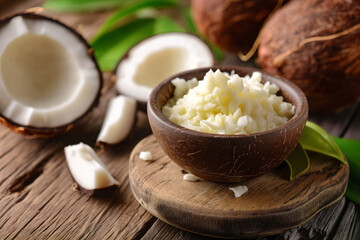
[272,204]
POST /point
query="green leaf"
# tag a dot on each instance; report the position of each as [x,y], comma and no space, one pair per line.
[353,192]
[316,139]
[298,162]
[218,53]
[351,149]
[118,16]
[189,23]
[82,5]
[128,26]
[110,47]
[164,24]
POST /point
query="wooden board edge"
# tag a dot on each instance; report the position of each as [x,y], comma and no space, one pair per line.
[145,196]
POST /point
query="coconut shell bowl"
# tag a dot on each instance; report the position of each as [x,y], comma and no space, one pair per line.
[221,157]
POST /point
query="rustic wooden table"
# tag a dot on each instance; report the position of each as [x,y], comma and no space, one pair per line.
[37,200]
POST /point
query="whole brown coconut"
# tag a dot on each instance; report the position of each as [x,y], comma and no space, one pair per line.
[316,44]
[232,25]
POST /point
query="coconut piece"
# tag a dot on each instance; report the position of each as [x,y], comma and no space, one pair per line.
[48,76]
[239,190]
[87,169]
[231,25]
[156,58]
[315,44]
[146,156]
[119,119]
[191,177]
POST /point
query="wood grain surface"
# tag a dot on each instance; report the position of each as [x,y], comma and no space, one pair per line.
[271,205]
[339,221]
[36,187]
[36,196]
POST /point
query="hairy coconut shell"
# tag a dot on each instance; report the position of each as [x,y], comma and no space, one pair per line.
[316,44]
[231,25]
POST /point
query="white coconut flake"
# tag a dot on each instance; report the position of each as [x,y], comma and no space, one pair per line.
[239,190]
[227,104]
[119,119]
[191,177]
[87,168]
[146,156]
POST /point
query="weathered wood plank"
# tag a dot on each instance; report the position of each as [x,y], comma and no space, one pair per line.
[36,193]
[349,227]
[165,231]
[353,131]
[42,205]
[319,227]
[36,196]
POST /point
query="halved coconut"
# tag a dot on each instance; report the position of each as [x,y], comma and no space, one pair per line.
[48,76]
[158,57]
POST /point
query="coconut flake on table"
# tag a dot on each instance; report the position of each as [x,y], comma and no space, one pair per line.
[146,156]
[239,190]
[119,119]
[191,177]
[87,168]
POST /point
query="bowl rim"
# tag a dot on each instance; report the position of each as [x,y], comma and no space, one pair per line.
[153,109]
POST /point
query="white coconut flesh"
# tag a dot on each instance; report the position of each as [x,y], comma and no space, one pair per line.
[87,168]
[119,119]
[159,57]
[47,78]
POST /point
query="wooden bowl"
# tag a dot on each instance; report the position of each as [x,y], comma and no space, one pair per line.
[227,158]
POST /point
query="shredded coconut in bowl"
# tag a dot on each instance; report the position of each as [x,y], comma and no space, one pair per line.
[225,103]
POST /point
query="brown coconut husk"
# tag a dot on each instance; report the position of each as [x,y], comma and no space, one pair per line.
[232,25]
[316,44]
